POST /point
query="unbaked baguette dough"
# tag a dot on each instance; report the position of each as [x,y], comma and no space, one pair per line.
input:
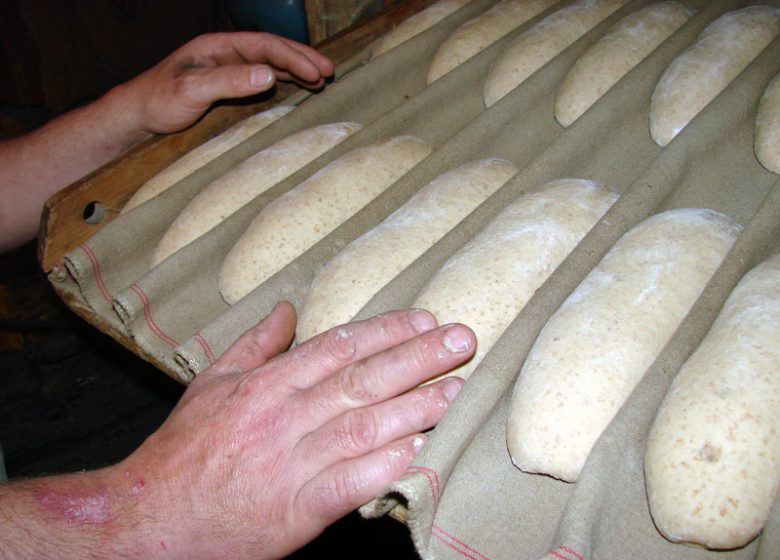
[240,185]
[540,44]
[295,221]
[712,465]
[598,344]
[767,136]
[482,31]
[203,154]
[488,281]
[693,79]
[623,46]
[361,269]
[416,24]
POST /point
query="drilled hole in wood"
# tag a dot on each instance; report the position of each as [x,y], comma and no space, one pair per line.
[94,212]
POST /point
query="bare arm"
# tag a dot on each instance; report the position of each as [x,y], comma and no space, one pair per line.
[261,453]
[166,98]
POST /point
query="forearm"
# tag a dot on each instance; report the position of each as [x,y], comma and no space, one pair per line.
[87,515]
[35,166]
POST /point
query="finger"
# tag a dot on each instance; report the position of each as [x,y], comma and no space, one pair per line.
[289,58]
[348,485]
[389,373]
[326,353]
[260,343]
[203,86]
[363,430]
[322,62]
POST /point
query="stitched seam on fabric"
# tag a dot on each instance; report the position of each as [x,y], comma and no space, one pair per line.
[96,271]
[456,549]
[433,473]
[154,327]
[203,343]
[471,550]
[433,482]
[430,485]
[458,545]
[559,555]
[574,553]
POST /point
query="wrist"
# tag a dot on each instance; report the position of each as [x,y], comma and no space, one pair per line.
[121,107]
[99,514]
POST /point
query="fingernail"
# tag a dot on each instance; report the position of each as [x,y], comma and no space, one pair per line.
[422,321]
[260,76]
[451,388]
[456,340]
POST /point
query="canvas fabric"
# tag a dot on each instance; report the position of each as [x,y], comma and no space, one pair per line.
[462,497]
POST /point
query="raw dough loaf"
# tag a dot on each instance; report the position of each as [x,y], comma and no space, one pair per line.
[240,185]
[203,154]
[416,24]
[361,269]
[488,281]
[295,221]
[712,464]
[479,33]
[596,347]
[540,44]
[624,46]
[767,138]
[693,79]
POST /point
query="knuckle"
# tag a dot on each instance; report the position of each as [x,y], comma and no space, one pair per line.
[334,496]
[339,344]
[354,385]
[418,356]
[346,485]
[361,432]
[430,405]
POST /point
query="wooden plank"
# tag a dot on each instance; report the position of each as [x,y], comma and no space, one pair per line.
[325,18]
[68,218]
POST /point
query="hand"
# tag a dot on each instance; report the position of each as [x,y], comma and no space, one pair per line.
[262,453]
[177,91]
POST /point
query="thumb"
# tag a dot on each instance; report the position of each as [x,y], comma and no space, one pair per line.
[255,347]
[225,82]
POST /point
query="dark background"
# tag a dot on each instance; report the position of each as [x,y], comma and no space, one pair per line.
[70,397]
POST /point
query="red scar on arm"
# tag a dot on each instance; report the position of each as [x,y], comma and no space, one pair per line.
[79,509]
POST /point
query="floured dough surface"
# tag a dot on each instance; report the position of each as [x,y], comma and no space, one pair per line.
[362,268]
[599,343]
[767,137]
[203,154]
[540,44]
[624,46]
[693,79]
[712,465]
[482,31]
[416,24]
[295,221]
[258,173]
[488,281]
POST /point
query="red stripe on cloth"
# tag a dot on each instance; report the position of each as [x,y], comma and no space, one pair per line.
[154,327]
[96,271]
[574,553]
[432,472]
[568,553]
[457,545]
[206,347]
[431,483]
[433,480]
